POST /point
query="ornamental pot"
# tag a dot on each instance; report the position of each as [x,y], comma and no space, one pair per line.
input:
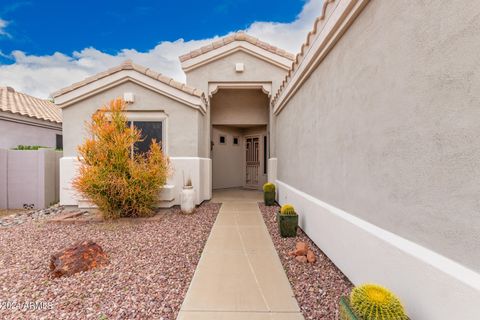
[269,198]
[287,225]
[187,199]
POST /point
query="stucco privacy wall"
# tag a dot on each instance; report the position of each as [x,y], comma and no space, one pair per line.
[3,178]
[29,177]
[14,132]
[386,130]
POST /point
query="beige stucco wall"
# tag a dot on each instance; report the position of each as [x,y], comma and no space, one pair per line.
[14,131]
[239,107]
[227,159]
[387,126]
[184,124]
[223,70]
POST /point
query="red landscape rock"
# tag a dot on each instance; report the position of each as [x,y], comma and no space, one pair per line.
[292,253]
[301,249]
[82,256]
[302,259]
[311,258]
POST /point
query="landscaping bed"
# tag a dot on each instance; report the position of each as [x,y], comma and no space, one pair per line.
[318,286]
[151,265]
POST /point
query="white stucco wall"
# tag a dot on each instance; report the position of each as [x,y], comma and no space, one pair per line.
[18,130]
[386,130]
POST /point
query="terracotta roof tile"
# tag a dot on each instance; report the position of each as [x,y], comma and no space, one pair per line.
[129,65]
[26,105]
[305,46]
[239,36]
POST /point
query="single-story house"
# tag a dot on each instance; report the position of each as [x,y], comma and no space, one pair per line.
[27,120]
[371,132]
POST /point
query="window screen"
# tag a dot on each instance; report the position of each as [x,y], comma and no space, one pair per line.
[150,130]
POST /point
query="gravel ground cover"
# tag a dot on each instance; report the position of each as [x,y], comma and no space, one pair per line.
[9,212]
[317,287]
[151,266]
[13,217]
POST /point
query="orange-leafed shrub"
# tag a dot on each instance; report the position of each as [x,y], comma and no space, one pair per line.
[119,183]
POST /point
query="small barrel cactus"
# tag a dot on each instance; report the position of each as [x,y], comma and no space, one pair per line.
[268,187]
[269,194]
[374,302]
[288,210]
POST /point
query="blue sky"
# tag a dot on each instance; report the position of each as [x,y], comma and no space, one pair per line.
[46,45]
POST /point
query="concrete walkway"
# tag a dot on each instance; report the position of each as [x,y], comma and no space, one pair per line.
[239,275]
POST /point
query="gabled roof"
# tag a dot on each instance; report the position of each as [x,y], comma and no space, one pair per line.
[129,65]
[234,42]
[176,89]
[26,105]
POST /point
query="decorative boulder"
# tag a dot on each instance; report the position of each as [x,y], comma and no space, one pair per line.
[301,249]
[82,256]
[301,259]
[311,256]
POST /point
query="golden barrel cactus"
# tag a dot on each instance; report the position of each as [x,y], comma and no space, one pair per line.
[374,302]
[287,210]
[268,187]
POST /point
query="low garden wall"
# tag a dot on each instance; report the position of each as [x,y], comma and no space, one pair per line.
[29,178]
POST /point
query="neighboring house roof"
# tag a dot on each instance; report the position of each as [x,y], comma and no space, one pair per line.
[26,105]
[336,17]
[232,43]
[129,71]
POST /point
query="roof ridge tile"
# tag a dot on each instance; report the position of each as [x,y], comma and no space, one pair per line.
[237,36]
[301,55]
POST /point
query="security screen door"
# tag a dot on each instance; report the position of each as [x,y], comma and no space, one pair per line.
[252,157]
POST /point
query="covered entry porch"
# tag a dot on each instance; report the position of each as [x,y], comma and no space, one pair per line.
[239,138]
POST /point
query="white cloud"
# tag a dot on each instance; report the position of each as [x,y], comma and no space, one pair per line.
[42,75]
[3,26]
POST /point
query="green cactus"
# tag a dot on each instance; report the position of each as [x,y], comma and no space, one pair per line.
[268,187]
[374,302]
[288,210]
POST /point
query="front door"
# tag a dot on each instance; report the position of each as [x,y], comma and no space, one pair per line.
[252,160]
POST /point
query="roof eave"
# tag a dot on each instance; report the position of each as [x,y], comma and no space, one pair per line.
[229,49]
[102,84]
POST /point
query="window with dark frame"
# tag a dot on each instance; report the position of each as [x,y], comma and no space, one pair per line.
[222,139]
[59,142]
[150,130]
[235,140]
